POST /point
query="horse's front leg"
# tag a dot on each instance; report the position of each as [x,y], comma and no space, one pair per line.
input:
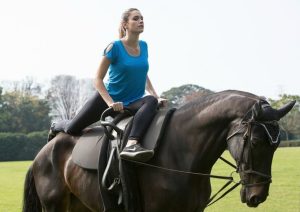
[49,181]
[84,185]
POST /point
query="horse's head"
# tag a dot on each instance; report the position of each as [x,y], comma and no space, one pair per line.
[252,142]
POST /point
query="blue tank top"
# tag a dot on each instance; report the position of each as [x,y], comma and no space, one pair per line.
[127,74]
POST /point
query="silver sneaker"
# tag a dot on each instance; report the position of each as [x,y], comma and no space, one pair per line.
[136,152]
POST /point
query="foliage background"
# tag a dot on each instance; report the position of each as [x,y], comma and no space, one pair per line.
[21,146]
[27,108]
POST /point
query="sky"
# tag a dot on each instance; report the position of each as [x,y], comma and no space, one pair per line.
[252,45]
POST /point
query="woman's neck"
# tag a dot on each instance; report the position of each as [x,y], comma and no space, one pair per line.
[131,40]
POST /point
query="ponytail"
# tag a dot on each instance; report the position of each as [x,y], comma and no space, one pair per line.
[122,31]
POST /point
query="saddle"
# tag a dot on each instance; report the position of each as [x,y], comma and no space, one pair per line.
[98,149]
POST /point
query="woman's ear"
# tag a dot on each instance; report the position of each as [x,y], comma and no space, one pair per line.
[124,25]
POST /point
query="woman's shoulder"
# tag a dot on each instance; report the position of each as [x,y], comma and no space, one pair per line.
[143,44]
[112,45]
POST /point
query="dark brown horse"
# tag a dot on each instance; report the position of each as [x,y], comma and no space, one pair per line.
[198,133]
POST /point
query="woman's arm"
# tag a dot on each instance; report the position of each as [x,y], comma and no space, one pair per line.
[99,85]
[150,89]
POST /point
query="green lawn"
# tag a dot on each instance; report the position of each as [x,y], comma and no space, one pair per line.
[12,175]
[284,192]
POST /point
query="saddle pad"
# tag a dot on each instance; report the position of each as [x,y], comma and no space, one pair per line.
[156,129]
[86,151]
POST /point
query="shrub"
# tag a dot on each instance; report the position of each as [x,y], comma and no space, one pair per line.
[20,146]
[290,143]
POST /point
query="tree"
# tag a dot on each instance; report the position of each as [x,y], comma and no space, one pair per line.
[177,96]
[66,95]
[21,112]
[27,86]
[290,123]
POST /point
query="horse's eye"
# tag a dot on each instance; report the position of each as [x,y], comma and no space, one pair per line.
[255,141]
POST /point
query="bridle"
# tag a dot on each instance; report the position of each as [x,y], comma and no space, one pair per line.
[247,145]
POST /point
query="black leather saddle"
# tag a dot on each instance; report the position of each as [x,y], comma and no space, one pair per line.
[99,147]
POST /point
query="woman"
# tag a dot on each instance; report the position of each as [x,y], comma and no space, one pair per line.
[127,62]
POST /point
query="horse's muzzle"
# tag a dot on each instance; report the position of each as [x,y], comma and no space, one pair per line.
[252,198]
[255,200]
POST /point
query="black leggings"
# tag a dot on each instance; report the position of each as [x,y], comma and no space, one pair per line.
[144,110]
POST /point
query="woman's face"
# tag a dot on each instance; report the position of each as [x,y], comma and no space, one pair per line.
[135,23]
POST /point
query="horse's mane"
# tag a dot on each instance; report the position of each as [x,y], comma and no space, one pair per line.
[208,99]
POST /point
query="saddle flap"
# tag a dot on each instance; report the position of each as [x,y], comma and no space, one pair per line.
[86,151]
[156,129]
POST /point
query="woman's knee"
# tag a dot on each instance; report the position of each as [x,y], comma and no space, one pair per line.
[151,100]
[71,129]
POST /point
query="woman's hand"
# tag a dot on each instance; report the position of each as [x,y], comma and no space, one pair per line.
[162,102]
[117,106]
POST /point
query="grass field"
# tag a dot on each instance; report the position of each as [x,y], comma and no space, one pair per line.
[12,175]
[284,192]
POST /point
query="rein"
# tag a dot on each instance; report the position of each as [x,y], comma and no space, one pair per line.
[210,201]
[180,171]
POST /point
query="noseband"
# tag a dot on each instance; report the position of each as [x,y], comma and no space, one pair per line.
[247,144]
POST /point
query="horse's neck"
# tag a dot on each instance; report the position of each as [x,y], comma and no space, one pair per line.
[200,143]
[197,137]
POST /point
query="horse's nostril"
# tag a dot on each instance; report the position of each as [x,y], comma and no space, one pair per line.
[255,200]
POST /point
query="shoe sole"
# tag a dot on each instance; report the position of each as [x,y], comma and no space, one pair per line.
[137,156]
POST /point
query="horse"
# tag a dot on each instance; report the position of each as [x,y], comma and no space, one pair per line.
[196,136]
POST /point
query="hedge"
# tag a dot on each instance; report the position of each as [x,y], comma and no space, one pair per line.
[290,143]
[20,146]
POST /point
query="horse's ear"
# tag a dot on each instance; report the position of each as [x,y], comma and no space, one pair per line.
[285,109]
[262,111]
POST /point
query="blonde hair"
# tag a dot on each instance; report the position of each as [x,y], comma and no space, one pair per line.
[124,19]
